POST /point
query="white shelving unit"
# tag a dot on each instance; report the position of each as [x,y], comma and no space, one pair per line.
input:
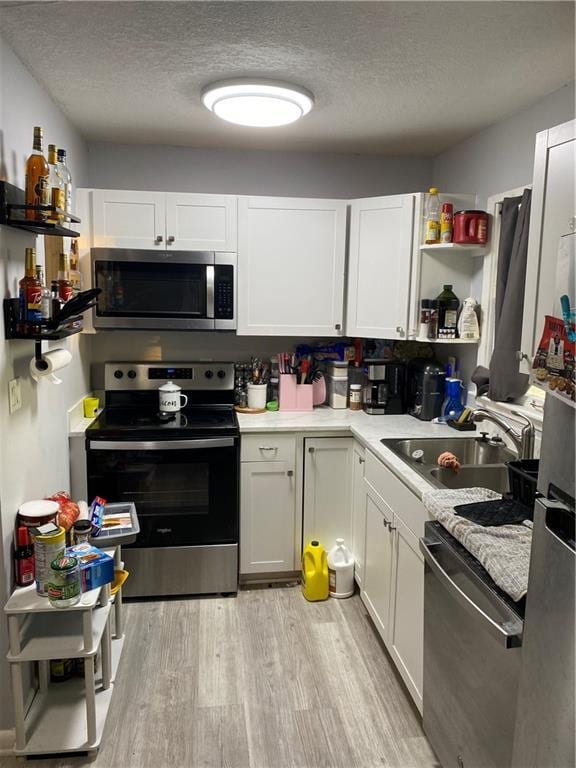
[448,341]
[456,248]
[66,716]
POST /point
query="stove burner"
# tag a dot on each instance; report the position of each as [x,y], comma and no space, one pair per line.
[165,417]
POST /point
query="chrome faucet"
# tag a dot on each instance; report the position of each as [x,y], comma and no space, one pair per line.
[523,440]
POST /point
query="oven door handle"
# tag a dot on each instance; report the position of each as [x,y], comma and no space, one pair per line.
[160,445]
[210,279]
[507,634]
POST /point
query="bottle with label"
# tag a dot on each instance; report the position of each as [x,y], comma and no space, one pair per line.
[433,319]
[30,296]
[56,185]
[432,217]
[23,558]
[448,304]
[446,223]
[56,303]
[66,180]
[75,276]
[37,179]
[65,290]
[46,303]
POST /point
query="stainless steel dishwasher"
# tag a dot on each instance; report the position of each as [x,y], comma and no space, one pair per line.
[472,638]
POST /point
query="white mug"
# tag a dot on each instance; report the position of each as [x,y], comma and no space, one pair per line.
[171,398]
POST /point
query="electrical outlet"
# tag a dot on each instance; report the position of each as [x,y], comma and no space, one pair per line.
[14,395]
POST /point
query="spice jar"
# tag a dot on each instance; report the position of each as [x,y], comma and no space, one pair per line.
[355,397]
[81,531]
[64,589]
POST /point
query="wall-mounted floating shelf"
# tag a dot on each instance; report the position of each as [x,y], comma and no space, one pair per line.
[13,214]
[471,249]
[69,327]
[447,341]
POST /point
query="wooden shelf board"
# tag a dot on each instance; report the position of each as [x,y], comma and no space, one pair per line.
[60,636]
[56,721]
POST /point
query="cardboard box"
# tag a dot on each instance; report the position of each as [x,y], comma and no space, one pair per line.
[97,568]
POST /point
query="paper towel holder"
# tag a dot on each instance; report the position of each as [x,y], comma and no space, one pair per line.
[11,322]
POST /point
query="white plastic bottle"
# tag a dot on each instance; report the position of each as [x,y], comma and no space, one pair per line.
[340,570]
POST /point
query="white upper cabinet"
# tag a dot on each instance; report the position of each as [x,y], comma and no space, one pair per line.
[381,234]
[128,219]
[291,260]
[551,221]
[201,222]
[160,221]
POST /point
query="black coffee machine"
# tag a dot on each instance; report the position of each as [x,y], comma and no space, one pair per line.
[385,388]
[426,386]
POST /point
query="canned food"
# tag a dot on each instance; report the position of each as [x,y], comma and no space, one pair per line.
[64,588]
[47,547]
[39,512]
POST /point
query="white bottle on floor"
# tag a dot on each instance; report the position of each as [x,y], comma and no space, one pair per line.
[340,570]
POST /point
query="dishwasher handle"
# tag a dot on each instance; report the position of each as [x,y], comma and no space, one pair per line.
[507,634]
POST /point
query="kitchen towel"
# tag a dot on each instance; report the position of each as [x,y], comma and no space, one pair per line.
[50,362]
[504,550]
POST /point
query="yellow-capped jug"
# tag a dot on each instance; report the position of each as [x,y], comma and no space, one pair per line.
[315,572]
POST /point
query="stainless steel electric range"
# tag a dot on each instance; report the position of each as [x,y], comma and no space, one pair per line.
[181,470]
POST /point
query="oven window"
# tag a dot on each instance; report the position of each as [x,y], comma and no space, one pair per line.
[149,289]
[182,497]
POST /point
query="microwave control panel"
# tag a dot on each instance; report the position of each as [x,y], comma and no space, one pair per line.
[224,292]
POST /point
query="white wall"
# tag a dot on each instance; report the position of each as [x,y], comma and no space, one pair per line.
[186,169]
[33,441]
[501,157]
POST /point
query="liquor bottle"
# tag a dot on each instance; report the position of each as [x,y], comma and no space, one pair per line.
[30,296]
[56,302]
[37,179]
[56,185]
[75,276]
[23,558]
[66,180]
[46,303]
[65,291]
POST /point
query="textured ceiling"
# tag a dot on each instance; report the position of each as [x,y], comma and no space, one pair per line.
[389,77]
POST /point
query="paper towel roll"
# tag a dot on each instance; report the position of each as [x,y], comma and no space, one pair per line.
[49,363]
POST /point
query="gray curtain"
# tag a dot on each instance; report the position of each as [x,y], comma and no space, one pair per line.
[506,383]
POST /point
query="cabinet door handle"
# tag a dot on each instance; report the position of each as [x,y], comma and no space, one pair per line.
[290,473]
[361,460]
[311,449]
[521,356]
[159,239]
[385,523]
[338,327]
[400,330]
[267,447]
[391,527]
[171,239]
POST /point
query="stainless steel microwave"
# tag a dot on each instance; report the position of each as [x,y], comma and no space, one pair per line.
[168,290]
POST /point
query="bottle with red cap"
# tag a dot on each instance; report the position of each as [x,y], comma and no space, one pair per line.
[24,558]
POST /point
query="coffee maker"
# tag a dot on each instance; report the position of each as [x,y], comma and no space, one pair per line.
[384,391]
[426,387]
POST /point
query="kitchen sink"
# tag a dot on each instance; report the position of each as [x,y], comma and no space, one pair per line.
[494,477]
[483,463]
[469,450]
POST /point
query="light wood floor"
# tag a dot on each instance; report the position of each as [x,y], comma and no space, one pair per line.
[264,680]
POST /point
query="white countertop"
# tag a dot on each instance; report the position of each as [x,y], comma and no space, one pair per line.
[368,430]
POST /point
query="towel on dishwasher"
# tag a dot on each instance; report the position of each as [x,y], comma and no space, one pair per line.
[503,550]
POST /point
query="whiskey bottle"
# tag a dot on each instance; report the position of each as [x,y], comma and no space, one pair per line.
[65,291]
[56,182]
[37,179]
[30,296]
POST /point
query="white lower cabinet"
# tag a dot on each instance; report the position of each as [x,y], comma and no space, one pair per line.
[267,516]
[328,490]
[393,578]
[407,615]
[377,578]
[358,511]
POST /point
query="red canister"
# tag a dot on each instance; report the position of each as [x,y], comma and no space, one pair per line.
[471,227]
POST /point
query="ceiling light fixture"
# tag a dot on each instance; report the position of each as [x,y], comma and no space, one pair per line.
[258,103]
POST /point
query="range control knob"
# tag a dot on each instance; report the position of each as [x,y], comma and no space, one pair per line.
[131,374]
[209,374]
[118,374]
[221,374]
